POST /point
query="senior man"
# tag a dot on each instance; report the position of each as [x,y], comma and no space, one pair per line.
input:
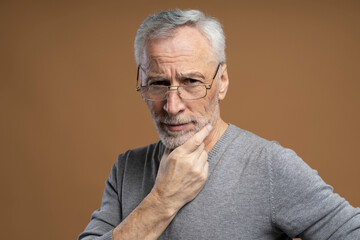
[207,179]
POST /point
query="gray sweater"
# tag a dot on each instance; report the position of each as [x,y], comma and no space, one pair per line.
[256,189]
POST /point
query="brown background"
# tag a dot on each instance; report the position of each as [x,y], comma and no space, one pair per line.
[68,105]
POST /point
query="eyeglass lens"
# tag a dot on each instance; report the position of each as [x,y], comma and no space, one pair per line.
[185,92]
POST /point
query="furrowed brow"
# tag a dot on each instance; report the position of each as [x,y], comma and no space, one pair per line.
[155,78]
[196,75]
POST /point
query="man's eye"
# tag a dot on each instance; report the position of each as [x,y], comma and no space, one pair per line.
[159,83]
[191,81]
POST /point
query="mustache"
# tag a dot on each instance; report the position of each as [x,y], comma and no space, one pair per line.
[175,119]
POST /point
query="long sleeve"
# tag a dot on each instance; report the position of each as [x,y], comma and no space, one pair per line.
[105,219]
[302,205]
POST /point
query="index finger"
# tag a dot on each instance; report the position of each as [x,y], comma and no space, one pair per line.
[195,141]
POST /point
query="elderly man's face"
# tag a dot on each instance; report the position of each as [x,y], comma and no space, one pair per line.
[181,60]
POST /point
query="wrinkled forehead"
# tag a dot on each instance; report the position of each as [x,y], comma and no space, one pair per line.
[186,46]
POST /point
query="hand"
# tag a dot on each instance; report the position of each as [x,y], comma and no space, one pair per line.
[183,172]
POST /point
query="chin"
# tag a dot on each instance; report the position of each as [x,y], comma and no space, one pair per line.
[173,140]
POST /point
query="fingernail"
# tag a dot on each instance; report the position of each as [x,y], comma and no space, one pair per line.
[209,127]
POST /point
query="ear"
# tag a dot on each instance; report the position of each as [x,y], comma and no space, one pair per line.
[224,82]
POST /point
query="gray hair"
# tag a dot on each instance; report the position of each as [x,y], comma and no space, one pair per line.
[163,24]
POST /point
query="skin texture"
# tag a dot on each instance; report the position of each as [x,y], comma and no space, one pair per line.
[188,128]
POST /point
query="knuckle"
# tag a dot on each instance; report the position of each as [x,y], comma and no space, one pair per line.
[176,153]
[202,146]
[174,160]
[198,173]
[203,177]
[197,141]
[203,156]
[180,151]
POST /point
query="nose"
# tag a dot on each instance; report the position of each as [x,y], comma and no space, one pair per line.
[174,104]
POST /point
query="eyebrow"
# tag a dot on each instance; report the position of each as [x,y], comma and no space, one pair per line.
[155,78]
[190,75]
[196,75]
[179,76]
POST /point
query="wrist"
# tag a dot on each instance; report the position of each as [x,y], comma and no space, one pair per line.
[166,208]
[149,219]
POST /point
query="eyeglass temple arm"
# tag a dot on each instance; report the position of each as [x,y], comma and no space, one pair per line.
[216,72]
[137,79]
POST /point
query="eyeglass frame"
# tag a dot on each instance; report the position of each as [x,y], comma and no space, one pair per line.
[138,88]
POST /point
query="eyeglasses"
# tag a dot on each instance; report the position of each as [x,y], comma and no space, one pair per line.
[186,92]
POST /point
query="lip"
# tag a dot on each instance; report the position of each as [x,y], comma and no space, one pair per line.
[176,127]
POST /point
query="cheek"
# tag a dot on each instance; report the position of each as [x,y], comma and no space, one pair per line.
[202,108]
[155,107]
[210,101]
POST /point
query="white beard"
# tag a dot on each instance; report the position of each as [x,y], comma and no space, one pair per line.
[172,139]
